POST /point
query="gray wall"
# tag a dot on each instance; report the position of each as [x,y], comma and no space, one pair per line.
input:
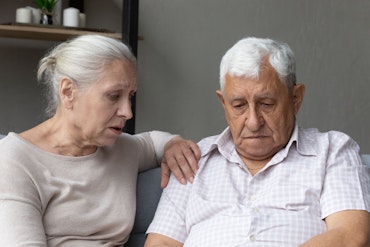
[21,98]
[184,41]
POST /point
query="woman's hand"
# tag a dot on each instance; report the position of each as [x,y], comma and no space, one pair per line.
[181,158]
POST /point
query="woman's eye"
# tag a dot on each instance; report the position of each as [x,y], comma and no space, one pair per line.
[114,97]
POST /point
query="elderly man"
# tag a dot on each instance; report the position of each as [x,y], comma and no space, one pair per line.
[264,181]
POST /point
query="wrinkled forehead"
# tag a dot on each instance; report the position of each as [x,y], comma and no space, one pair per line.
[119,72]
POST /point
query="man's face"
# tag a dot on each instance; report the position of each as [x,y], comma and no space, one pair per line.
[260,112]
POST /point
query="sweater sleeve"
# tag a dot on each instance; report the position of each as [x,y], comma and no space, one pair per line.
[151,148]
[20,207]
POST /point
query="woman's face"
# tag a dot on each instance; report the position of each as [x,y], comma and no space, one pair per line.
[101,110]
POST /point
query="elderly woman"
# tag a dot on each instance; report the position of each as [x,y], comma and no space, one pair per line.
[70,181]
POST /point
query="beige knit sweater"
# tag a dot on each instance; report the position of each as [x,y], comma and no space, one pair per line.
[54,200]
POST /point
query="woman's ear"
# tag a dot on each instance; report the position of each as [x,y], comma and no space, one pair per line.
[298,94]
[67,92]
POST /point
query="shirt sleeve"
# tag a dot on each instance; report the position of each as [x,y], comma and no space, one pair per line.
[169,219]
[347,179]
[151,148]
[20,208]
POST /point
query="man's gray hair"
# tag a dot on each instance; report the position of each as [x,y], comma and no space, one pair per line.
[248,55]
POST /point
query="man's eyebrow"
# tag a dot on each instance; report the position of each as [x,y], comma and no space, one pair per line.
[235,97]
[266,95]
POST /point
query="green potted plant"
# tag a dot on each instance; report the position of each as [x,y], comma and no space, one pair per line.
[46,7]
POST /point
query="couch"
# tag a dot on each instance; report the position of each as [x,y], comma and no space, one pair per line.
[148,194]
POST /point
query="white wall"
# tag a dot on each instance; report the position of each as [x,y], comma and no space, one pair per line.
[185,40]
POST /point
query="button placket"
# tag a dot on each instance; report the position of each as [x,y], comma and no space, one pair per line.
[253,209]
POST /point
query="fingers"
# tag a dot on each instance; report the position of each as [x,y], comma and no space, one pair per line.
[181,158]
[171,164]
[193,158]
[181,168]
[165,175]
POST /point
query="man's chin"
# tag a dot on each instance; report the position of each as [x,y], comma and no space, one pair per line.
[258,153]
[256,143]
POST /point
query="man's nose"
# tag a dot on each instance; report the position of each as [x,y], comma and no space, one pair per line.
[254,119]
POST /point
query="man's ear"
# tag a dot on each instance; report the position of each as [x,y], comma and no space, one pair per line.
[298,94]
[221,97]
[66,92]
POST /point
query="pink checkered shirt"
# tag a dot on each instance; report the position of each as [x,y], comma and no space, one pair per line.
[315,175]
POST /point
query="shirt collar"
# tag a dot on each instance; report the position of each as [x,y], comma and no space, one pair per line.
[224,144]
[302,143]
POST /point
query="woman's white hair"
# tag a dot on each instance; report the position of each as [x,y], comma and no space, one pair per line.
[83,60]
[248,55]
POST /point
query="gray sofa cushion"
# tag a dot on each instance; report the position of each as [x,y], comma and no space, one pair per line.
[366,158]
[148,193]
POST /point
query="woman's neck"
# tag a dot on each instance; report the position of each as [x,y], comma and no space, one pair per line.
[55,137]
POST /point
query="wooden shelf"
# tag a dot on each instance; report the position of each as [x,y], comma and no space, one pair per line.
[51,33]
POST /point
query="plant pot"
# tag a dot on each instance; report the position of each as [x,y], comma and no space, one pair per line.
[46,18]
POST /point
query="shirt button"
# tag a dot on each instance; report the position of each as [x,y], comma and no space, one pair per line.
[252,238]
[253,197]
[256,210]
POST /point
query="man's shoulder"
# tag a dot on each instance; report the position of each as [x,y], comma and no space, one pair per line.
[314,133]
[211,142]
[208,141]
[313,138]
[206,145]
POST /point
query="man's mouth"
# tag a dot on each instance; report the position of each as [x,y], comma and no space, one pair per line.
[256,137]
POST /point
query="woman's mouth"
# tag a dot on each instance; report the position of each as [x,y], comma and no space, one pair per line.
[116,130]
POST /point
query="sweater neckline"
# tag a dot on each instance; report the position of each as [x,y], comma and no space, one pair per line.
[37,149]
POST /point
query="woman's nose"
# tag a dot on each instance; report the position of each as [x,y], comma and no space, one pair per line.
[124,110]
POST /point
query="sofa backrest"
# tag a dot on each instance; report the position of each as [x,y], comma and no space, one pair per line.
[148,194]
[366,158]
